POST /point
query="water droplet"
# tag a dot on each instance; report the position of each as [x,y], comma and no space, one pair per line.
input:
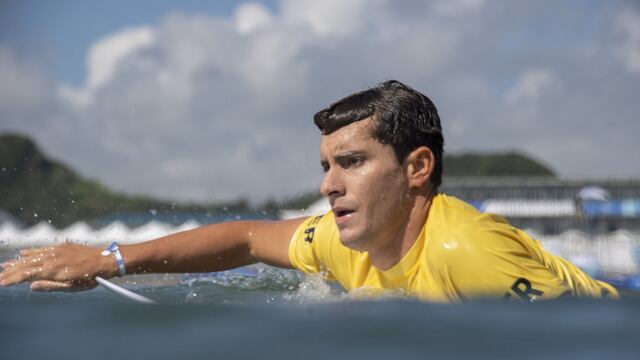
[35,215]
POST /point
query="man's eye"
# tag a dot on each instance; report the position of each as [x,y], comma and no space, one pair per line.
[354,161]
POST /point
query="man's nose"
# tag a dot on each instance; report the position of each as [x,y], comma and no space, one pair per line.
[332,184]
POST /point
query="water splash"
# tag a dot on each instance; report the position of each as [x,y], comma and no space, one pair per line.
[313,288]
[256,277]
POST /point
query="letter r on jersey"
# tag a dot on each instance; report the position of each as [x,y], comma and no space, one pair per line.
[523,289]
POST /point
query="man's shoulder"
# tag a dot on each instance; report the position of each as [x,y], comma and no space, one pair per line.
[457,228]
[317,227]
[450,214]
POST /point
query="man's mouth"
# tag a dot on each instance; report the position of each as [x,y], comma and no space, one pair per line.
[342,213]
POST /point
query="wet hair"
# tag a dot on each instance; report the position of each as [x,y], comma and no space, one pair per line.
[405,119]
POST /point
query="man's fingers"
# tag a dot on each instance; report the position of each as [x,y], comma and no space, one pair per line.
[62,267]
[9,264]
[30,265]
[15,275]
[29,259]
[34,251]
[48,285]
[22,269]
[26,261]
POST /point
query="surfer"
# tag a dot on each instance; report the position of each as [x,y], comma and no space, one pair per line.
[388,229]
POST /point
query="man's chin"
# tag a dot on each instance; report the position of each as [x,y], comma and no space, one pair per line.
[350,240]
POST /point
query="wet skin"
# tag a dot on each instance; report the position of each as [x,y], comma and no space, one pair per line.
[374,197]
[61,274]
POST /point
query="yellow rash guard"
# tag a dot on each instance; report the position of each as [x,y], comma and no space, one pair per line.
[459,254]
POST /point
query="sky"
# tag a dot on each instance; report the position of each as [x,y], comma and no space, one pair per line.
[212,100]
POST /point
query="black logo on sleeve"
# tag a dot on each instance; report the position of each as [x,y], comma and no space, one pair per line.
[310,231]
[308,234]
[523,289]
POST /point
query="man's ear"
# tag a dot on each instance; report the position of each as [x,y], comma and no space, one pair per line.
[420,164]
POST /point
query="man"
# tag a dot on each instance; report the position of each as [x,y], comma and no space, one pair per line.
[389,228]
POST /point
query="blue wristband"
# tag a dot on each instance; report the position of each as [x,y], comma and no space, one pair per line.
[113,249]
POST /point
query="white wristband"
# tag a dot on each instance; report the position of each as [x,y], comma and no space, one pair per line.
[113,249]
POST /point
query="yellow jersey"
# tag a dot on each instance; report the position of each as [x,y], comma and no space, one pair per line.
[460,253]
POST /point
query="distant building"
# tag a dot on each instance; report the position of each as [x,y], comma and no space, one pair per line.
[551,205]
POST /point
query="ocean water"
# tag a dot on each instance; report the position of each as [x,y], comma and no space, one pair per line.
[266,313]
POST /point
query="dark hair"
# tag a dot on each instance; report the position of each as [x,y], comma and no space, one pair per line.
[405,119]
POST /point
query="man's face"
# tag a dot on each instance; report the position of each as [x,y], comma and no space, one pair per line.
[366,186]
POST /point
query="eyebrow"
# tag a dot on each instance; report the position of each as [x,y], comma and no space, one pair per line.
[348,154]
[343,156]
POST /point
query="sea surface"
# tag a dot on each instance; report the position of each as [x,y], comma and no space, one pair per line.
[266,313]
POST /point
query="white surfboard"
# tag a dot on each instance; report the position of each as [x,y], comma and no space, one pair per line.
[122,292]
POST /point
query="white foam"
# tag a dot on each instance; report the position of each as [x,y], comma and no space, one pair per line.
[188,225]
[116,231]
[150,230]
[79,231]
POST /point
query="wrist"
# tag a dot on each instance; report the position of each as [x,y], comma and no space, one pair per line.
[112,261]
[107,267]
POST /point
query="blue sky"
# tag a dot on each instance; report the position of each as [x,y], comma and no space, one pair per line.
[209,100]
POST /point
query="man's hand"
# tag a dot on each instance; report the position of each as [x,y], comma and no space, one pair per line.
[63,267]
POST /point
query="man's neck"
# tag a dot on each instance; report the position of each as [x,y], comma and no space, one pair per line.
[393,250]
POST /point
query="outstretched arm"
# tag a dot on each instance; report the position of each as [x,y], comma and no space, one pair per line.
[209,248]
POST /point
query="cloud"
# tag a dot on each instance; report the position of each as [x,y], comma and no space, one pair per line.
[327,18]
[456,7]
[252,17]
[25,93]
[103,60]
[23,84]
[204,108]
[530,84]
[105,56]
[628,23]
